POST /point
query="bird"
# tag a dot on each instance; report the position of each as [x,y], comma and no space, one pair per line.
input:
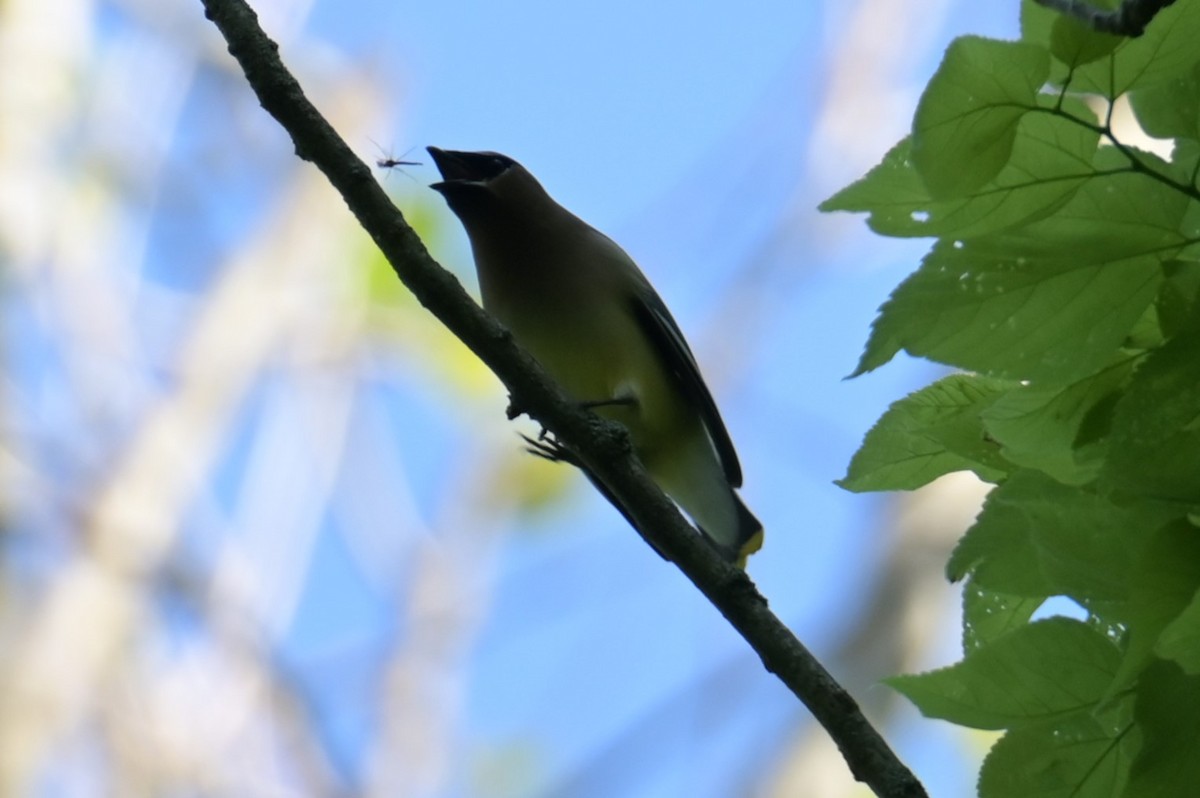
[579,304]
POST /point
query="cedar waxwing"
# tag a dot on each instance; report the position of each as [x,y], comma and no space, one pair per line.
[576,302]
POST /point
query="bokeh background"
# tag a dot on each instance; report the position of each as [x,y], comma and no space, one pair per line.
[266,531]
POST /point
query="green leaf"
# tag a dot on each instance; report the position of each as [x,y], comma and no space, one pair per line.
[1171,109]
[988,615]
[1037,538]
[927,434]
[1051,158]
[1123,212]
[1185,167]
[1165,51]
[1049,302]
[1180,640]
[999,307]
[1190,226]
[1146,333]
[1163,581]
[1059,431]
[1079,757]
[1075,44]
[1177,301]
[966,120]
[1037,22]
[1044,671]
[1155,445]
[1067,281]
[1167,710]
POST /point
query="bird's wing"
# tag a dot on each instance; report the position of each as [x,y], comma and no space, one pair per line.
[660,328]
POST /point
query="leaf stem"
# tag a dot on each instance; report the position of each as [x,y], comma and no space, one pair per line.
[1136,164]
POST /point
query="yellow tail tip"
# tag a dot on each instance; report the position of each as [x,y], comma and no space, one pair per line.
[753,544]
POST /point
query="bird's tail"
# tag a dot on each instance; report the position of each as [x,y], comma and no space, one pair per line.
[749,535]
[749,530]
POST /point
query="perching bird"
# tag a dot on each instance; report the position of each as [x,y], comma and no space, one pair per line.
[584,310]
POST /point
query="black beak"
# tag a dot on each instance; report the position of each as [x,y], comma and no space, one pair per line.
[463,166]
[452,164]
[468,168]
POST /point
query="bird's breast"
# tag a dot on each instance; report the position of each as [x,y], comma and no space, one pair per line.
[572,309]
[585,345]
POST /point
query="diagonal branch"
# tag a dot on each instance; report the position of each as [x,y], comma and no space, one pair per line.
[602,447]
[1130,19]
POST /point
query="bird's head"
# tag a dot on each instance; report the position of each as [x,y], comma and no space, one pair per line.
[487,188]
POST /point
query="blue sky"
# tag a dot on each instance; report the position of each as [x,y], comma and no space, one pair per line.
[697,136]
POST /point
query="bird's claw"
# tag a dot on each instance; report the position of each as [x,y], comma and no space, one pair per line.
[548,448]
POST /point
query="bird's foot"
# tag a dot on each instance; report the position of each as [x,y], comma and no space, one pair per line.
[549,448]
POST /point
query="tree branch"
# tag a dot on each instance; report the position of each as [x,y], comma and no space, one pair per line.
[1130,19]
[603,447]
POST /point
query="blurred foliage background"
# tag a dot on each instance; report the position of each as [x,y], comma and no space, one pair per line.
[265,529]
